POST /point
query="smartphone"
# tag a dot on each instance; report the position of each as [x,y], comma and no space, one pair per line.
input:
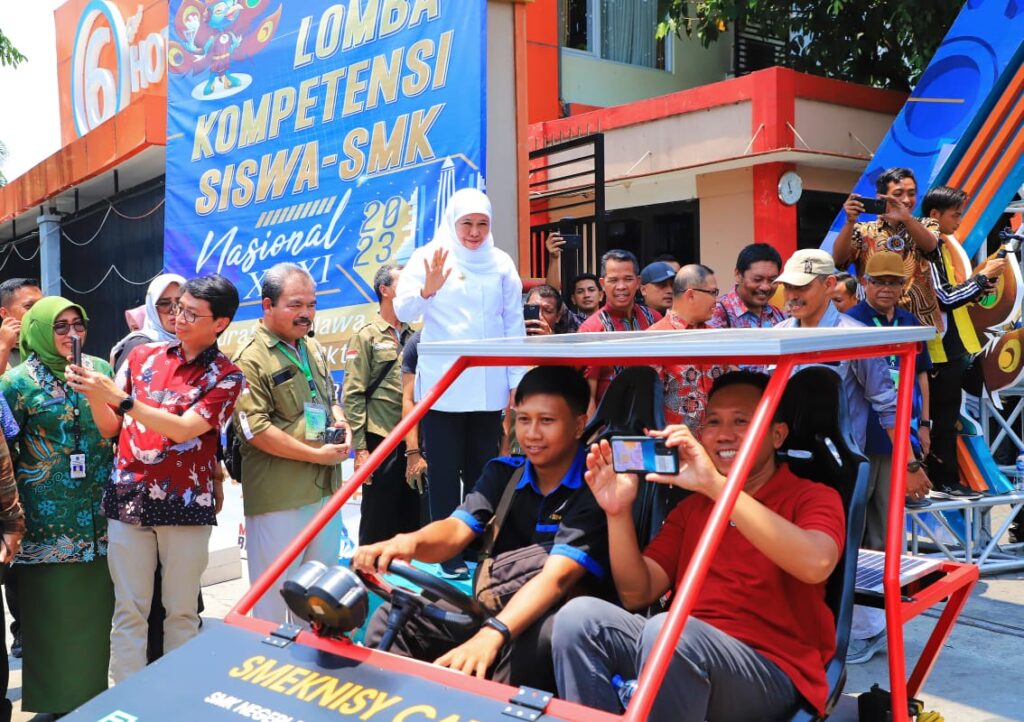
[76,350]
[642,455]
[531,312]
[875,206]
[334,435]
[567,230]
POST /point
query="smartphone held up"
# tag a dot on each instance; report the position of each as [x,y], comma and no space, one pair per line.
[642,455]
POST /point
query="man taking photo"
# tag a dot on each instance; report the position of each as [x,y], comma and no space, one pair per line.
[760,626]
[166,407]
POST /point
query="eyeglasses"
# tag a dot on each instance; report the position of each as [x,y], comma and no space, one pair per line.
[62,328]
[187,315]
[709,291]
[165,306]
[886,282]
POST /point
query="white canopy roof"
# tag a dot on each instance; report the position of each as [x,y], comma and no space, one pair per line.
[764,343]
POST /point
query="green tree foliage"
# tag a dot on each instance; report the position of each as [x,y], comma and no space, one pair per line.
[884,43]
[9,56]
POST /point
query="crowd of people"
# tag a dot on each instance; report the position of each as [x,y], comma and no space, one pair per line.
[115,469]
[739,655]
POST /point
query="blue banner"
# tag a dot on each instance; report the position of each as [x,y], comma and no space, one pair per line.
[325,134]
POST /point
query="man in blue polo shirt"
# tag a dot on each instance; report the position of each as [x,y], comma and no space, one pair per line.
[551,507]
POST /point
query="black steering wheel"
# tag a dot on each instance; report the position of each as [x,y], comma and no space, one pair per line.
[406,603]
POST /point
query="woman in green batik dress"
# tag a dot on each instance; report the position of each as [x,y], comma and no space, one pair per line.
[62,462]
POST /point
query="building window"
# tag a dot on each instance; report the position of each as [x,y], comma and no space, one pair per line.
[624,31]
[815,213]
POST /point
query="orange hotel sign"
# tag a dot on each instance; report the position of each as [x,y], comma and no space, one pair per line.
[108,53]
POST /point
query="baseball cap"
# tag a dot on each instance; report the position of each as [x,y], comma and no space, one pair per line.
[806,265]
[885,263]
[657,272]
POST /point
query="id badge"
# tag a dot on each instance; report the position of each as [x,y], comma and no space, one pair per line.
[894,374]
[77,466]
[316,422]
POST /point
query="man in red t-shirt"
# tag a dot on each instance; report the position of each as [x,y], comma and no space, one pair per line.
[760,633]
[620,280]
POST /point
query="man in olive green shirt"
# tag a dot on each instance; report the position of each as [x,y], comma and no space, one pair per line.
[373,404]
[288,473]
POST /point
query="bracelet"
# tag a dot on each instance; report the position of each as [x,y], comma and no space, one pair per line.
[500,627]
[411,452]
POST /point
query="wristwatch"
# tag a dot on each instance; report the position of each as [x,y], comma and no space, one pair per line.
[925,423]
[499,626]
[913,466]
[125,406]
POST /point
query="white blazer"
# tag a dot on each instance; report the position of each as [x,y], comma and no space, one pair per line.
[471,305]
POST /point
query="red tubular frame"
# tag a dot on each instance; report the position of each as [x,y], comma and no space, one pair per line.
[956,585]
[292,551]
[895,536]
[661,655]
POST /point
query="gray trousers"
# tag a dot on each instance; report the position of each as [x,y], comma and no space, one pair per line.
[712,676]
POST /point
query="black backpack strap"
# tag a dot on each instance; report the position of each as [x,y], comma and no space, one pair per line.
[490,536]
[725,312]
[380,378]
[402,338]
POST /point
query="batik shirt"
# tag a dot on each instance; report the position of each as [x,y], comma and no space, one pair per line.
[155,480]
[686,385]
[63,519]
[731,312]
[918,293]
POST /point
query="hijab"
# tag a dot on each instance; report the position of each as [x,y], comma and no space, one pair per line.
[151,326]
[463,203]
[135,317]
[37,332]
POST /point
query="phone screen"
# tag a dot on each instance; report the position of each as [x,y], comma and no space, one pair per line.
[642,454]
[76,350]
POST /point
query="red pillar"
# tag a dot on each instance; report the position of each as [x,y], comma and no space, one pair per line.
[774,221]
[773,116]
[543,60]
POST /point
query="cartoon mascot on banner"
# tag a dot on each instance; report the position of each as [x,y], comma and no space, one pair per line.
[211,34]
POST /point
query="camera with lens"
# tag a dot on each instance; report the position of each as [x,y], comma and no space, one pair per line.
[334,435]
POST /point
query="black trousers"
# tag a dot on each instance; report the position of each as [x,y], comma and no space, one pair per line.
[945,387]
[389,505]
[525,661]
[457,446]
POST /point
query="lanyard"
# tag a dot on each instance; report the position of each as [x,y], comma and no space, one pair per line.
[895,323]
[76,425]
[303,364]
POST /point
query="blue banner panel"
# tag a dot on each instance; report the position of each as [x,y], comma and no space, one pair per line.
[325,134]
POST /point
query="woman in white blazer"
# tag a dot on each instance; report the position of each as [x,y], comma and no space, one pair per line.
[464,288]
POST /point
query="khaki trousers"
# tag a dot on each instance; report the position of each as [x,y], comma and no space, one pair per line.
[267,535]
[183,552]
